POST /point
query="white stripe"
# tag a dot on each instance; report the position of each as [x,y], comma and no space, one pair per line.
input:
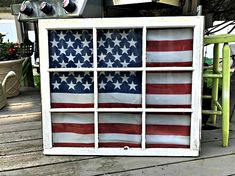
[168,99]
[169,34]
[125,118]
[171,56]
[168,119]
[77,118]
[120,98]
[113,137]
[169,78]
[167,139]
[72,98]
[73,138]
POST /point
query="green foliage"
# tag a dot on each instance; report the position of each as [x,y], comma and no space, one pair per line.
[8,50]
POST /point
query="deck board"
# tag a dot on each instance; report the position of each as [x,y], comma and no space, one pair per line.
[21,150]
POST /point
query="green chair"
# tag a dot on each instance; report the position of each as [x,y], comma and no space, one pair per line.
[224,74]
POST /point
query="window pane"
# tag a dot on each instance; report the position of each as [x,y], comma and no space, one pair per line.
[70,48]
[73,129]
[168,130]
[169,47]
[119,47]
[72,89]
[120,89]
[168,89]
[120,130]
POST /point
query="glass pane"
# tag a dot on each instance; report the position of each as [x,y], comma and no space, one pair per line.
[70,48]
[119,48]
[72,89]
[168,130]
[119,89]
[168,89]
[169,47]
[120,130]
[73,129]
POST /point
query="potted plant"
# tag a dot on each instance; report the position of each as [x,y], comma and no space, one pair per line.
[10,60]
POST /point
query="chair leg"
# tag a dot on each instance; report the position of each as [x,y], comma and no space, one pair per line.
[215,84]
[225,94]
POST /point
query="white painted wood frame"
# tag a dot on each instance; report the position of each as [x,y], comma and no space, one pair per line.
[196,23]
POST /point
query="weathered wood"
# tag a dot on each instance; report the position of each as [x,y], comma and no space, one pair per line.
[20,136]
[21,147]
[33,159]
[20,127]
[119,165]
[20,118]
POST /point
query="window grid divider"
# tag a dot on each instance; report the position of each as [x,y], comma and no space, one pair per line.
[96,88]
[144,36]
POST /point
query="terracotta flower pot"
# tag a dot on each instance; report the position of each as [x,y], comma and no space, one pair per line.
[13,83]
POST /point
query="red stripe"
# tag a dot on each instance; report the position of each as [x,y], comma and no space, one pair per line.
[73,128]
[119,128]
[176,130]
[169,64]
[118,144]
[169,88]
[166,146]
[71,105]
[73,145]
[170,45]
[119,105]
[168,106]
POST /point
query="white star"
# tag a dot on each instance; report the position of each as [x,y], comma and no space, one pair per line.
[85,43]
[56,85]
[63,78]
[117,85]
[77,36]
[132,85]
[124,35]
[117,73]
[70,43]
[132,42]
[71,73]
[110,78]
[70,57]
[55,57]
[63,64]
[61,36]
[109,49]
[86,85]
[132,73]
[62,50]
[86,73]
[86,58]
[101,73]
[79,79]
[109,63]
[132,57]
[78,50]
[102,57]
[71,85]
[124,49]
[101,42]
[79,64]
[124,63]
[102,85]
[55,73]
[117,56]
[54,43]
[125,78]
[116,42]
[108,35]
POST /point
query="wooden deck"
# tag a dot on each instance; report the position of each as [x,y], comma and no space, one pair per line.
[21,150]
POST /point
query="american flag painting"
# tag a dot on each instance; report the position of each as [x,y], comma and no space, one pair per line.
[120,48]
[169,47]
[168,89]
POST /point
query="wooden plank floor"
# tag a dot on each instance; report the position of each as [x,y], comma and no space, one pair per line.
[21,150]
